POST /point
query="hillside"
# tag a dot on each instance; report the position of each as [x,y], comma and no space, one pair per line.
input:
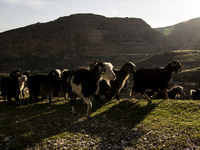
[185,35]
[79,38]
[189,58]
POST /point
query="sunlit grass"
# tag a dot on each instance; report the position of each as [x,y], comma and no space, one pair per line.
[192,69]
[105,107]
[188,51]
[173,122]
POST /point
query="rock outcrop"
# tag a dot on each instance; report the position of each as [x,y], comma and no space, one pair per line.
[78,37]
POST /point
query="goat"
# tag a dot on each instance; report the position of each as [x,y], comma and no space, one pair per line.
[33,83]
[13,85]
[154,79]
[43,85]
[4,86]
[195,94]
[27,73]
[10,88]
[15,73]
[104,87]
[22,79]
[176,91]
[64,77]
[84,82]
[173,93]
[121,77]
[50,84]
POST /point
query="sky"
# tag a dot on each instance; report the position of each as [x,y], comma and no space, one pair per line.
[157,13]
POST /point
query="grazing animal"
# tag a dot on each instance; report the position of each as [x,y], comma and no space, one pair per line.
[10,88]
[4,86]
[84,82]
[154,79]
[50,84]
[27,73]
[173,93]
[104,87]
[22,79]
[64,77]
[121,77]
[195,94]
[33,83]
[15,73]
[43,85]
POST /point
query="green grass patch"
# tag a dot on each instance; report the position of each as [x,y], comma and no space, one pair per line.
[123,124]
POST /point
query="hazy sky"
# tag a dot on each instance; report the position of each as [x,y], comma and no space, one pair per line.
[157,13]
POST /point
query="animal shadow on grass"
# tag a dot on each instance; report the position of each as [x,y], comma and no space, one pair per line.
[116,126]
[119,129]
[27,124]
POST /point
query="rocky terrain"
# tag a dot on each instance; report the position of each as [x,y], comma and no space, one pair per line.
[79,38]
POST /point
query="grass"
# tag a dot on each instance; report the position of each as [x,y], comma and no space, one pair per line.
[167,124]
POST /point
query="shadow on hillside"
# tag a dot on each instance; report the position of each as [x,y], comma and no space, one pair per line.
[26,124]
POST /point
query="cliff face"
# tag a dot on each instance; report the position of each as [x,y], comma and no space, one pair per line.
[83,35]
[185,35]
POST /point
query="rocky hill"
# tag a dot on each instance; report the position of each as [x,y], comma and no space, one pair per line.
[77,39]
[185,35]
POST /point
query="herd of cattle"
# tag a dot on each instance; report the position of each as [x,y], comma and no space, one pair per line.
[99,81]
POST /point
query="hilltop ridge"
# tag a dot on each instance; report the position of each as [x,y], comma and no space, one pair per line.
[78,37]
[184,35]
